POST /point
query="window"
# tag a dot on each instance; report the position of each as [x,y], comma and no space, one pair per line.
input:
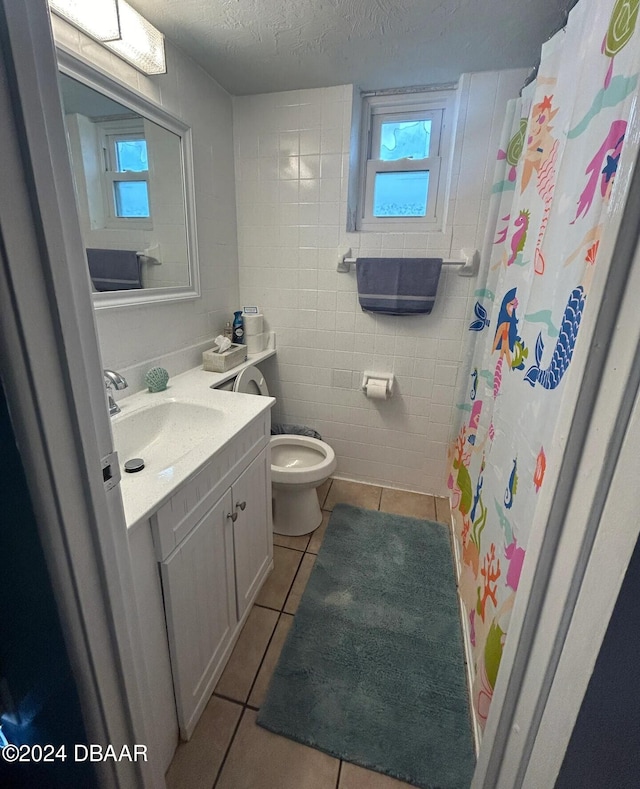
[126,174]
[403,161]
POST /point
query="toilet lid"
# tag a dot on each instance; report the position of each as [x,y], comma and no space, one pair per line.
[251,381]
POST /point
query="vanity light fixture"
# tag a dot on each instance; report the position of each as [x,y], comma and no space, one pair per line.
[120,28]
[140,43]
[97,18]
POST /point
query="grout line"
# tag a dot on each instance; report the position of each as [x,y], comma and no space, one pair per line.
[281,613]
[245,705]
[268,607]
[226,753]
[291,585]
[289,548]
[326,495]
[228,698]
[279,610]
[262,662]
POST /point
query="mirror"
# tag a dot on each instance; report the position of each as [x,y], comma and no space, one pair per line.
[132,172]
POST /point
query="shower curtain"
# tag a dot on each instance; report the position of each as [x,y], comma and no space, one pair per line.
[555,172]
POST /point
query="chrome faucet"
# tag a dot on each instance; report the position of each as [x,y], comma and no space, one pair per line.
[113,380]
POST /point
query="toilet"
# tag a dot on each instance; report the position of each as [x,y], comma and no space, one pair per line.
[299,464]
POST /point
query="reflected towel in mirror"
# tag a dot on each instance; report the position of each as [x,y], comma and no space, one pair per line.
[114,269]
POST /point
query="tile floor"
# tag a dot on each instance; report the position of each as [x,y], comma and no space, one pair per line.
[228,750]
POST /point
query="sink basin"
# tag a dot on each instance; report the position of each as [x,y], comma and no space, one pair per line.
[177,432]
[163,433]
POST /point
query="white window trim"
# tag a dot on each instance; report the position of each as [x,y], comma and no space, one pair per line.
[440,105]
[109,132]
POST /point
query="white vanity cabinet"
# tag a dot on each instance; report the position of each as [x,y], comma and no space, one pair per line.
[213,539]
[200,607]
[252,530]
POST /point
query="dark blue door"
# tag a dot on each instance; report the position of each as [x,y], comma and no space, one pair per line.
[38,697]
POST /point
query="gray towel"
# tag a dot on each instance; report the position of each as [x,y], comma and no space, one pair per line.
[398,286]
[114,269]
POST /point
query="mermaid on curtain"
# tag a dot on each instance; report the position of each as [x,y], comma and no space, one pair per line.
[554,177]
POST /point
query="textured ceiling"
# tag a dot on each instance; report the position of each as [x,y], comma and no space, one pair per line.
[261,46]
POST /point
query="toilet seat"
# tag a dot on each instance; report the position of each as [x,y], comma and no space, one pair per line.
[300,460]
[250,381]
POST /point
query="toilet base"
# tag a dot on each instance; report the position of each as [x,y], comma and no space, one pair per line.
[295,512]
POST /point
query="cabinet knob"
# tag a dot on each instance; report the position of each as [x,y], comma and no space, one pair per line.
[233,516]
[241,505]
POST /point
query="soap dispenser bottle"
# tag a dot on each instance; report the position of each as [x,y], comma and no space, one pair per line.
[228,331]
[238,327]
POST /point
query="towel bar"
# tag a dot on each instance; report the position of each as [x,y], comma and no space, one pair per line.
[151,256]
[469,264]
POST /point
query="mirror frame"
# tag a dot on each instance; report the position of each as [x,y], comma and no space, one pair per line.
[93,77]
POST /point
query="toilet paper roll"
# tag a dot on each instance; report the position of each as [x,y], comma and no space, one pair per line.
[255,342]
[253,324]
[376,389]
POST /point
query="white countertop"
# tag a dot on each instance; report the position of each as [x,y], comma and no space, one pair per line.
[145,491]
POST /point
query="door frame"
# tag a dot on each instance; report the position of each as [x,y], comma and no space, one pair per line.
[51,371]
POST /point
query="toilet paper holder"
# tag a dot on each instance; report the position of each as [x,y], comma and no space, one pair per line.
[370,376]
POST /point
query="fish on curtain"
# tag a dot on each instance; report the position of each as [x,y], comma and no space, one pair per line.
[555,173]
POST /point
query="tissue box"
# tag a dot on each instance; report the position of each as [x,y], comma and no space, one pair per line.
[215,362]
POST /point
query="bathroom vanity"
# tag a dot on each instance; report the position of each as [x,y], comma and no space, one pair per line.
[200,535]
[213,542]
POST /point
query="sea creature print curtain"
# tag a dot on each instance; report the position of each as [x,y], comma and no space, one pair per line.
[555,173]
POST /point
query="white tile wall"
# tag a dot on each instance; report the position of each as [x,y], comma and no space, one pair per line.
[135,338]
[291,154]
[291,161]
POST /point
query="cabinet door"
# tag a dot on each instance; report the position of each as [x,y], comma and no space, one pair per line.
[199,594]
[252,530]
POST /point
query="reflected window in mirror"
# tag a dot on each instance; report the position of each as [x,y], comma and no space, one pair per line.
[131,170]
[126,173]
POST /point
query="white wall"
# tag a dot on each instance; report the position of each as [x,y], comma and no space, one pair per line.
[290,180]
[132,339]
[291,153]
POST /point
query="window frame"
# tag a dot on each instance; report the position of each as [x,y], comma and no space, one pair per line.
[110,133]
[379,116]
[437,106]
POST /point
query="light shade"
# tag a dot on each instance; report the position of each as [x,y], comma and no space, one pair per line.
[140,43]
[97,18]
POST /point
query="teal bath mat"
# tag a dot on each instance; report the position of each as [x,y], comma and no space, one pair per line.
[372,670]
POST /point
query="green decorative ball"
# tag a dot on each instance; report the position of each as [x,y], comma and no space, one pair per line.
[156,379]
